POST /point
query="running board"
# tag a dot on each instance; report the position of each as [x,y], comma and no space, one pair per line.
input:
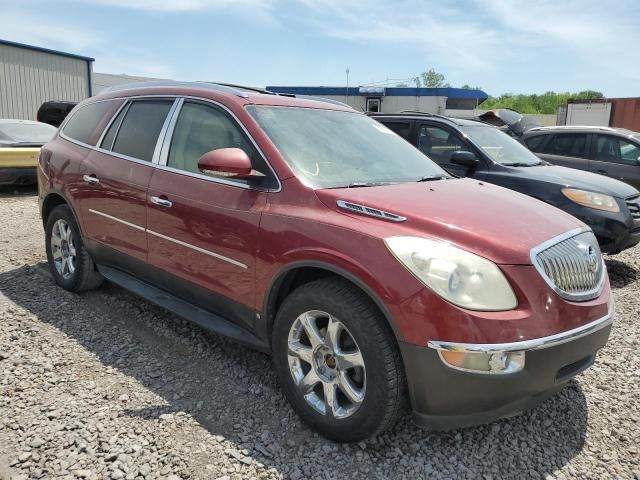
[205,319]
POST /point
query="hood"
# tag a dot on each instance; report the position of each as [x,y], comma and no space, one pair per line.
[515,122]
[570,177]
[485,219]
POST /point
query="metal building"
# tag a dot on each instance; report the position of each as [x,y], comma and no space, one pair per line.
[32,75]
[394,99]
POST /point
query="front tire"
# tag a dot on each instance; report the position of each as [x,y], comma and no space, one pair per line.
[338,362]
[69,262]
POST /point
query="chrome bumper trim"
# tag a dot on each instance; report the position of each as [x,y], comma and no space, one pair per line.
[528,345]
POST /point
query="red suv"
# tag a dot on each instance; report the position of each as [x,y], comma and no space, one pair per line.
[312,232]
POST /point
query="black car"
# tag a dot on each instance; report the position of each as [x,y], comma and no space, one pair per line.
[478,150]
[614,152]
[54,112]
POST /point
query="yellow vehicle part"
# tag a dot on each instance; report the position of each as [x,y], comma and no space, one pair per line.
[19,157]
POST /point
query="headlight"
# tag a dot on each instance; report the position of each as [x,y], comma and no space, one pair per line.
[458,276]
[599,201]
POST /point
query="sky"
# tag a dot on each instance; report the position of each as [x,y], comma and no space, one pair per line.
[499,45]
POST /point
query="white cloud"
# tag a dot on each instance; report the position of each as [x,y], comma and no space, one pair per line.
[474,37]
[185,5]
[30,29]
[256,10]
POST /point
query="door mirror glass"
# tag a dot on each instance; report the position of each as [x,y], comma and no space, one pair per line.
[226,162]
[464,158]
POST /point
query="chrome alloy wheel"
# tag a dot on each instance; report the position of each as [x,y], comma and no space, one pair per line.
[326,364]
[63,249]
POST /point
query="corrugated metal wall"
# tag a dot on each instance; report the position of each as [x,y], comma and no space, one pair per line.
[28,78]
[626,113]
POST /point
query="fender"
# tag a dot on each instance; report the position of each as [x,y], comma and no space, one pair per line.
[276,282]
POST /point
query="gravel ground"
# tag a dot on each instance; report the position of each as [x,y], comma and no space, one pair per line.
[105,385]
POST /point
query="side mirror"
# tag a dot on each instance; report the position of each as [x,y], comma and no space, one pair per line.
[226,162]
[466,159]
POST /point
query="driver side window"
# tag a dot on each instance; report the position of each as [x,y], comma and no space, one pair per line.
[201,128]
[438,143]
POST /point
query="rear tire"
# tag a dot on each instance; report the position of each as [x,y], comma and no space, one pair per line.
[69,262]
[347,382]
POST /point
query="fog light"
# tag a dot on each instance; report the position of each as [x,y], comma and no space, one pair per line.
[495,363]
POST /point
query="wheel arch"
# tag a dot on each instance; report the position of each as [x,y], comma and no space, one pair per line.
[299,273]
[53,200]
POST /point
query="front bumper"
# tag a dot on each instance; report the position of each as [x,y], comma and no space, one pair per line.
[615,231]
[444,397]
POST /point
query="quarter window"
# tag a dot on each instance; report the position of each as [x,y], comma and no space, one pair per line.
[534,143]
[614,149]
[200,129]
[87,123]
[567,145]
[140,129]
[438,143]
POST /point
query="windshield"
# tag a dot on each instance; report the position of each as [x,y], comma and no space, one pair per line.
[23,132]
[329,149]
[499,146]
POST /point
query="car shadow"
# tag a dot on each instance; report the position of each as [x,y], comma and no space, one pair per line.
[231,391]
[621,274]
[8,191]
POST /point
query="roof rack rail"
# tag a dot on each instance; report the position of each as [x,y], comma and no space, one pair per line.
[574,127]
[244,87]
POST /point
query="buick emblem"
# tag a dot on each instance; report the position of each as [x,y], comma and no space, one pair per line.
[592,259]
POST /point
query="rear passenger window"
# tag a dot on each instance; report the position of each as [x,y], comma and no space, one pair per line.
[88,122]
[401,129]
[534,143]
[567,145]
[138,134]
[200,129]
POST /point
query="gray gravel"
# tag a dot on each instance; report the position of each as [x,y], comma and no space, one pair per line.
[105,385]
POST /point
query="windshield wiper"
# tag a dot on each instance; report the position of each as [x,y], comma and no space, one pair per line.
[521,164]
[367,184]
[431,178]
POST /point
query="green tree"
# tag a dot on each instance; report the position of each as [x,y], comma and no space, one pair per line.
[433,79]
[546,103]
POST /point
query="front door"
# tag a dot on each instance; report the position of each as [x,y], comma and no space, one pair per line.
[202,230]
[117,176]
[617,158]
[567,150]
[438,143]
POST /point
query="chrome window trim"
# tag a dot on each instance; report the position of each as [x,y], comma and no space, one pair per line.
[533,255]
[125,105]
[529,345]
[116,219]
[163,131]
[167,141]
[168,134]
[198,249]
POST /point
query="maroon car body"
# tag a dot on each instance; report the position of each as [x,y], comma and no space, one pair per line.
[238,251]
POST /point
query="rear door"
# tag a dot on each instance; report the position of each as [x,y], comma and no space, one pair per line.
[116,177]
[617,158]
[203,230]
[568,150]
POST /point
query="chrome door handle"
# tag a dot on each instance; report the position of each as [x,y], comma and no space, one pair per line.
[91,179]
[161,202]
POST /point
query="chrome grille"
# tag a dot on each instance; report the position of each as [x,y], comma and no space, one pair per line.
[634,206]
[572,265]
